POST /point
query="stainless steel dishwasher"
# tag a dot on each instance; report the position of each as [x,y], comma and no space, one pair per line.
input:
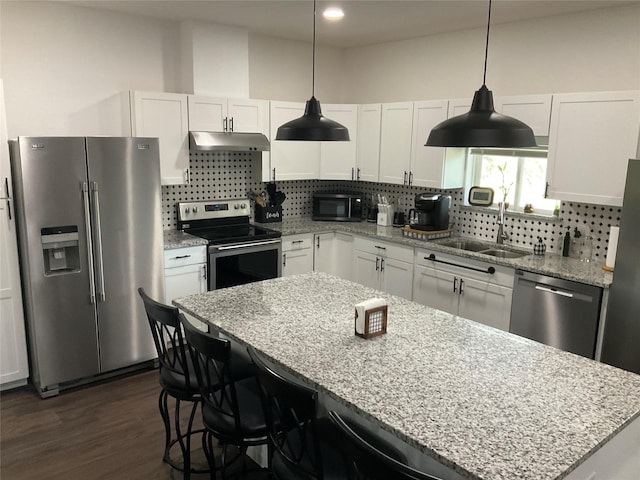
[556,312]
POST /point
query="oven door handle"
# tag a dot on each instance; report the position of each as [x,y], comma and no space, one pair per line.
[247,245]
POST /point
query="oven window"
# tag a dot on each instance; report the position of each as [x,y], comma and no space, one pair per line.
[333,208]
[246,268]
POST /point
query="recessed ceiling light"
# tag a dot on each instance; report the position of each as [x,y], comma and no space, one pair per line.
[333,13]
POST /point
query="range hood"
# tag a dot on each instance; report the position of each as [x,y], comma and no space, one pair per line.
[228,142]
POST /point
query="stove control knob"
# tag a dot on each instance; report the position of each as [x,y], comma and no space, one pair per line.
[243,206]
[236,206]
[195,209]
[187,209]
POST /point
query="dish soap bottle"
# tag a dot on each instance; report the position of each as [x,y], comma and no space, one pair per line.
[566,244]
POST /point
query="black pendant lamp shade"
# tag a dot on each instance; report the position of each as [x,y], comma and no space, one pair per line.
[482,126]
[312,126]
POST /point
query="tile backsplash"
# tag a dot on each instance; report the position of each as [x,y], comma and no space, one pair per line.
[218,175]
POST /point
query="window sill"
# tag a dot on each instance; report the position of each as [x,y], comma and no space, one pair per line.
[513,213]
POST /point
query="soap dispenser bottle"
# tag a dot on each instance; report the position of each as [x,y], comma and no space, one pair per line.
[566,244]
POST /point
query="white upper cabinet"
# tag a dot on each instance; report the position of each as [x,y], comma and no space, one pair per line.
[433,167]
[164,115]
[211,114]
[292,160]
[368,142]
[395,142]
[534,110]
[338,159]
[591,138]
[458,106]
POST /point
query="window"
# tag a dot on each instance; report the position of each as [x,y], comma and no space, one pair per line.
[518,177]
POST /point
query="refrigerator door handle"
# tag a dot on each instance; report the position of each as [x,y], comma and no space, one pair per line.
[87,226]
[98,234]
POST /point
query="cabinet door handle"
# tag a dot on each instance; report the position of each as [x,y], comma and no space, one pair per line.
[377,264]
[358,175]
[432,257]
[404,182]
[381,248]
[231,123]
[461,286]
[382,264]
[352,173]
[318,242]
[204,272]
[297,241]
[284,259]
[274,174]
[181,256]
[455,284]
[224,124]
[410,178]
[546,190]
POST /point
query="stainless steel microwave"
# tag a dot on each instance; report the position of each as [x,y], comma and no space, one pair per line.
[340,207]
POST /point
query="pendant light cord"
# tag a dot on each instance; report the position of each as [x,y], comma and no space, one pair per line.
[313,68]
[486,47]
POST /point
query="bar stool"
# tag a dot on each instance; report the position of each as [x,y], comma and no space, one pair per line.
[301,443]
[231,405]
[369,462]
[177,380]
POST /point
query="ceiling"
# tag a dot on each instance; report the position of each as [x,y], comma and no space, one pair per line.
[366,22]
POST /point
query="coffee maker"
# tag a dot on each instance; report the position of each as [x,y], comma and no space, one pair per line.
[431,212]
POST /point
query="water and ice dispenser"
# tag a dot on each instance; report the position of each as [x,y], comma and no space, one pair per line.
[60,250]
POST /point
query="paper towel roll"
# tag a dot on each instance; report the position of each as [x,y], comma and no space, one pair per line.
[362,307]
[613,247]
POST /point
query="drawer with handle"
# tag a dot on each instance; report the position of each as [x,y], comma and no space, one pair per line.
[179,257]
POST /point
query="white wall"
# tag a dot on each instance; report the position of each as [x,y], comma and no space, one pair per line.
[63,66]
[591,51]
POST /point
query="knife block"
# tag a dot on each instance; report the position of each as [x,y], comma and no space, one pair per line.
[268,214]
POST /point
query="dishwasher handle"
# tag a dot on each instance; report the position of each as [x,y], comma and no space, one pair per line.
[555,291]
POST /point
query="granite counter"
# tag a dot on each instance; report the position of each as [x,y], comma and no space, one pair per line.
[553,265]
[484,403]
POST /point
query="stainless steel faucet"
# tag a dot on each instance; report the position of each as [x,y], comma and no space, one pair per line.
[502,236]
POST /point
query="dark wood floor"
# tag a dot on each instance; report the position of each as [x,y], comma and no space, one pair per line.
[110,430]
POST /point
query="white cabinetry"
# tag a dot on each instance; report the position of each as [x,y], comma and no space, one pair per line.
[291,160]
[185,273]
[433,167]
[395,142]
[368,142]
[338,159]
[14,366]
[534,110]
[212,114]
[164,115]
[591,138]
[469,288]
[383,266]
[297,254]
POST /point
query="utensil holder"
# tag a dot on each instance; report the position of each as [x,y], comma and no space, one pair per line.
[375,322]
[268,214]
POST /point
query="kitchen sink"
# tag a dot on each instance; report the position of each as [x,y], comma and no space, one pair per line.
[467,245]
[483,248]
[498,252]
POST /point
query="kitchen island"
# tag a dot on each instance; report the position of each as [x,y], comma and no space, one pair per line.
[482,403]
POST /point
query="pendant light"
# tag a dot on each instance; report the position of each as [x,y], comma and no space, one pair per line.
[482,126]
[312,126]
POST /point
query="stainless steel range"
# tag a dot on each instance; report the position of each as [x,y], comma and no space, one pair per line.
[239,252]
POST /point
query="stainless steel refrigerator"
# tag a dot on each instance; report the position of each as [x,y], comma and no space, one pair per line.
[621,340]
[89,227]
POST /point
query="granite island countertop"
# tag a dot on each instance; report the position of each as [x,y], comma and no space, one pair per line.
[553,265]
[487,404]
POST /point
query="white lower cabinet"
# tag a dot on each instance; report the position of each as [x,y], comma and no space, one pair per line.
[297,254]
[468,288]
[383,266]
[185,273]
